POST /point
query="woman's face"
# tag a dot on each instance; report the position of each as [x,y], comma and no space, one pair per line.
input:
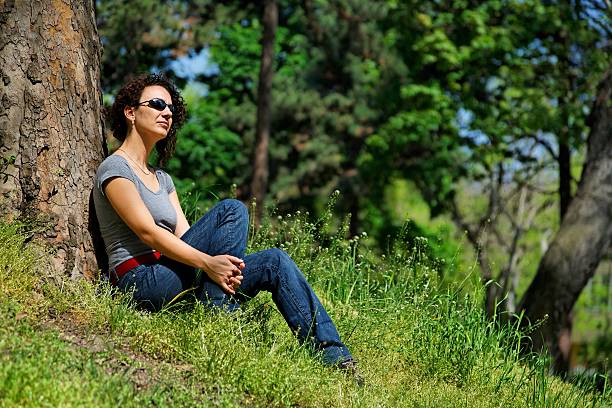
[148,119]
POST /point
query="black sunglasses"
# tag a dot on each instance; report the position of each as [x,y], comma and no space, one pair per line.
[158,104]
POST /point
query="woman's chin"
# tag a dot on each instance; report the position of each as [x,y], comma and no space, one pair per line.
[155,134]
[161,135]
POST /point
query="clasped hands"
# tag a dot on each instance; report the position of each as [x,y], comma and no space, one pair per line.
[225,271]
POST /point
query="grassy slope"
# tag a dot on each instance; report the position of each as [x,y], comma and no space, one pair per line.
[78,344]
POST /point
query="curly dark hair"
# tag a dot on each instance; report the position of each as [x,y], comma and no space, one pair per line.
[129,95]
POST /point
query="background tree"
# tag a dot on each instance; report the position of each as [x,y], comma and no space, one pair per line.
[51,131]
[584,237]
[259,183]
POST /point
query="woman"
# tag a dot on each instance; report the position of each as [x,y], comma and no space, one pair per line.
[154,253]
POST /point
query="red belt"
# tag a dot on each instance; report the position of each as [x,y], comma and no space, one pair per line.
[129,264]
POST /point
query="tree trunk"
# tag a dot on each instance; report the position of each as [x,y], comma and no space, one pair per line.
[565,197]
[582,240]
[259,184]
[51,138]
[565,177]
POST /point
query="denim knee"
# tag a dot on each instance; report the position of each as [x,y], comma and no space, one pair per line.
[279,256]
[235,205]
[286,269]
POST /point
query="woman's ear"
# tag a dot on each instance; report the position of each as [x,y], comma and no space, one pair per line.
[129,113]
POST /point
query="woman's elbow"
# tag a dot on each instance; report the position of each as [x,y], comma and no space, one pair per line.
[148,235]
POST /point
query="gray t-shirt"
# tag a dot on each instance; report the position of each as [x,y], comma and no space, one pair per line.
[120,242]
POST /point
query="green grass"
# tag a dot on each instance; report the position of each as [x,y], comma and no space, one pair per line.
[74,343]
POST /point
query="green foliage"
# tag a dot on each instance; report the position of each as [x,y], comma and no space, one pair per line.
[364,93]
[593,322]
[135,36]
[207,156]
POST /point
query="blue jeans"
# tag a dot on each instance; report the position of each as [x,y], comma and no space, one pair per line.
[224,230]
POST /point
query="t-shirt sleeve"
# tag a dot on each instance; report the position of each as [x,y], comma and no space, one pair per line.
[112,168]
[169,183]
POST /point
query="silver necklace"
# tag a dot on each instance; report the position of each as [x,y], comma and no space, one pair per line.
[135,162]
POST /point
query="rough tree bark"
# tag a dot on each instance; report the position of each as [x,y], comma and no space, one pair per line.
[259,184]
[582,240]
[51,138]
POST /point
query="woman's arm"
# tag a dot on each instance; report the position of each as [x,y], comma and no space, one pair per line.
[123,196]
[181,221]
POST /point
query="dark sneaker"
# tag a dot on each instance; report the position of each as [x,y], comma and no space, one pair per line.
[350,367]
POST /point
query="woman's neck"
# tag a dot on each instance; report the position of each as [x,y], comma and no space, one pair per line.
[136,148]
